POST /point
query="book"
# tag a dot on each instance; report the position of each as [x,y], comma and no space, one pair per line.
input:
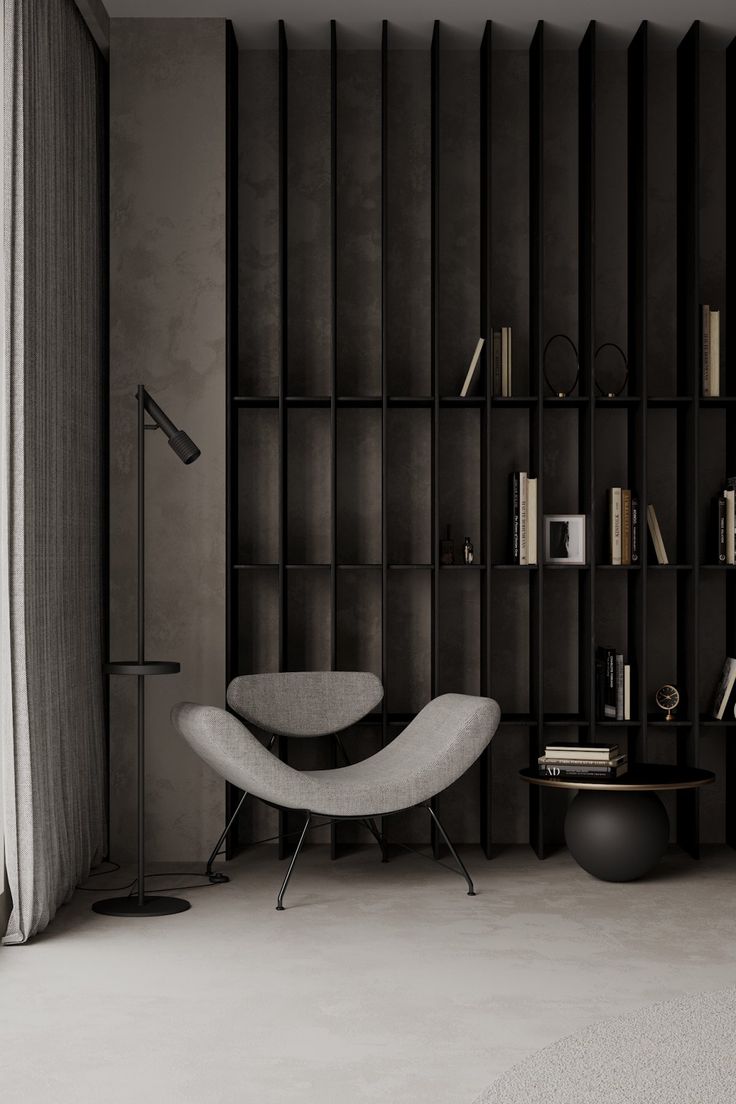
[523,519]
[625,527]
[473,368]
[705,348]
[614,516]
[721,532]
[635,530]
[714,350]
[605,683]
[602,773]
[724,690]
[531,526]
[582,751]
[515,517]
[656,535]
[576,760]
[627,691]
[730,500]
[619,668]
[496,362]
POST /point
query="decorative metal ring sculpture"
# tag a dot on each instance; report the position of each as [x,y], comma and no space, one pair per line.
[556,390]
[612,345]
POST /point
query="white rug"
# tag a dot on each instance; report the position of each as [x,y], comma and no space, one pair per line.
[676,1052]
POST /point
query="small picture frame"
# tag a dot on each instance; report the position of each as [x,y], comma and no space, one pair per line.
[564,538]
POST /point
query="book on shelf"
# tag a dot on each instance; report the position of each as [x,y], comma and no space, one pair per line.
[473,369]
[602,772]
[725,522]
[623,526]
[612,685]
[501,363]
[724,697]
[523,518]
[710,351]
[656,534]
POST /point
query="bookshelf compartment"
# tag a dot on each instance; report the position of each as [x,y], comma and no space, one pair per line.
[408,680]
[359,486]
[510,448]
[309,221]
[408,214]
[258,621]
[308,622]
[358,222]
[409,495]
[358,622]
[563,606]
[308,487]
[459,668]
[510,617]
[258,487]
[459,480]
[661,209]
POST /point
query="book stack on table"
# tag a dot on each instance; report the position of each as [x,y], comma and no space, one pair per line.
[592,761]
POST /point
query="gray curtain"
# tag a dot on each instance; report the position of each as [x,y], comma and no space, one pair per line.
[51,703]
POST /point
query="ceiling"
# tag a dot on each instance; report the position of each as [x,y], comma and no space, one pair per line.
[463,20]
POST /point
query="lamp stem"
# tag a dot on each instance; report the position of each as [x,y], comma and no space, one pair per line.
[141,647]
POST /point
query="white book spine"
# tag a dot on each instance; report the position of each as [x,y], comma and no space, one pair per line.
[531,491]
[730,497]
[715,353]
[472,368]
[615,498]
[656,535]
[523,518]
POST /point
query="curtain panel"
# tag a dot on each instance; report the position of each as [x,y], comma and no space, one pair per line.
[51,692]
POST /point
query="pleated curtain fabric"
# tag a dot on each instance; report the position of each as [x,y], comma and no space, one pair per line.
[51,697]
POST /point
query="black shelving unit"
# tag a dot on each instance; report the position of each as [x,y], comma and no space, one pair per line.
[335,562]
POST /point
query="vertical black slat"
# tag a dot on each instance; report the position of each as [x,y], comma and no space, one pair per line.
[232,793]
[486,828]
[536,383]
[435,246]
[730,381]
[284,847]
[103,169]
[688,373]
[586,314]
[384,380]
[334,842]
[637,337]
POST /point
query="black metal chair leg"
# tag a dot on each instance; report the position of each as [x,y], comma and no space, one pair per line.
[217,876]
[294,857]
[378,836]
[453,852]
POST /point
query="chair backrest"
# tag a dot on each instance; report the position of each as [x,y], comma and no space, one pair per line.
[305,703]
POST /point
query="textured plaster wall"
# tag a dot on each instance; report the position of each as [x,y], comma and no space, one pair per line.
[167,330]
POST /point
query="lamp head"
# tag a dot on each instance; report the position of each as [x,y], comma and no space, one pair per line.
[181,442]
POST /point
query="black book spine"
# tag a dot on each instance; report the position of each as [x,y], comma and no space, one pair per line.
[610,710]
[635,530]
[721,505]
[515,518]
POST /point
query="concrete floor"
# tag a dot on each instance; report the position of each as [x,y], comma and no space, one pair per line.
[379,983]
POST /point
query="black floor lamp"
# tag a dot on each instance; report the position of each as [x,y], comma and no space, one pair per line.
[140,904]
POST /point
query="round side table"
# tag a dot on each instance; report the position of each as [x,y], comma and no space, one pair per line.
[618,829]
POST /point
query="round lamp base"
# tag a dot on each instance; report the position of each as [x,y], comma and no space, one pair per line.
[152,906]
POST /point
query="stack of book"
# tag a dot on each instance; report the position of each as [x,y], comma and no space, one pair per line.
[501,363]
[724,701]
[624,526]
[726,522]
[593,761]
[656,534]
[523,519]
[612,685]
[711,352]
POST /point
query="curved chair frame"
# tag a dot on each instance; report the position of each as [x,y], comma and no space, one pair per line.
[431,753]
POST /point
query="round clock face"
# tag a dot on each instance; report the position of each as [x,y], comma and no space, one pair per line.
[668,697]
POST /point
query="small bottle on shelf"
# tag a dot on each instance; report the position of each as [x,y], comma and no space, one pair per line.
[468,553]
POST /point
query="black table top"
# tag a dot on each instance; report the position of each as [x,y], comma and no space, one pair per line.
[642,776]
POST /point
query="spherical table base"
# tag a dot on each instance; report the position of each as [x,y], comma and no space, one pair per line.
[617,837]
[152,906]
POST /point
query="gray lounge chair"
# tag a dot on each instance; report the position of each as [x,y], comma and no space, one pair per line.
[431,753]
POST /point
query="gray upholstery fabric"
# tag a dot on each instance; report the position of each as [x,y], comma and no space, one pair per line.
[428,756]
[305,703]
[51,706]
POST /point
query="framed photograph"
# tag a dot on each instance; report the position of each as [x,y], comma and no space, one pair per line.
[564,538]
